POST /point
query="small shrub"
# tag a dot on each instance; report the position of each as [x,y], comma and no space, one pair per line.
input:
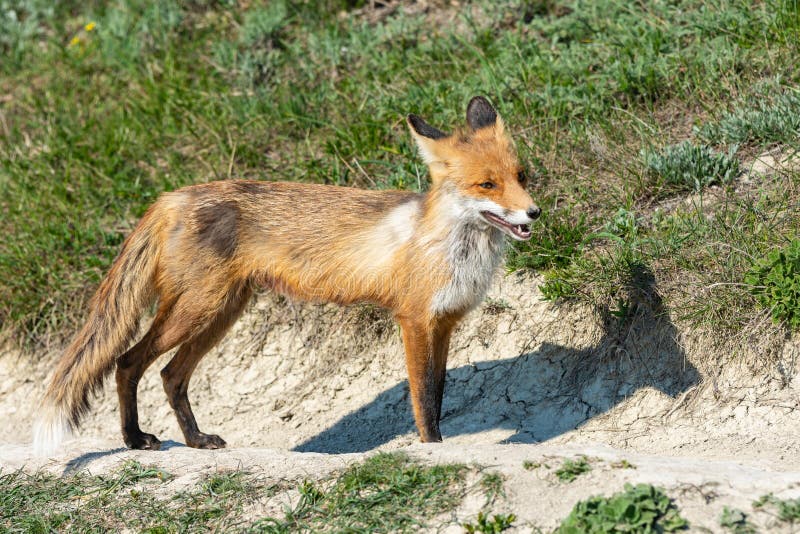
[640,508]
[530,466]
[775,280]
[788,509]
[736,521]
[256,55]
[498,523]
[766,119]
[687,166]
[572,469]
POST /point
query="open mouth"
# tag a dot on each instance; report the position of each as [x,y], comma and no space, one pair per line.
[517,231]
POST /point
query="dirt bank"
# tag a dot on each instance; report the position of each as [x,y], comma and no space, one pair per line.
[527,379]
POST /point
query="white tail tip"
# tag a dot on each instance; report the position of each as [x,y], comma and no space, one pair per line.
[50,430]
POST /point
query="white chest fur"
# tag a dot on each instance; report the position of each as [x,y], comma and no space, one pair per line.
[474,250]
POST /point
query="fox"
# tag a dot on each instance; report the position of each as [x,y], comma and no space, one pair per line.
[200,252]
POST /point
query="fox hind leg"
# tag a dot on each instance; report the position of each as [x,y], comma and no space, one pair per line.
[175,323]
[176,374]
[130,368]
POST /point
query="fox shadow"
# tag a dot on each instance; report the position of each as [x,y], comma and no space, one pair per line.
[543,393]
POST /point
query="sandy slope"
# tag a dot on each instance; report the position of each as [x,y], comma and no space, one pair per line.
[527,380]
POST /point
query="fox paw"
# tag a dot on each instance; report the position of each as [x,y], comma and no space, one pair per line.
[206,441]
[143,441]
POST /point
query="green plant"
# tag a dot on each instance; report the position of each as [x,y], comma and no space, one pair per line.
[775,280]
[638,509]
[688,167]
[736,521]
[557,238]
[498,523]
[492,486]
[771,116]
[386,493]
[788,509]
[623,464]
[530,466]
[572,469]
[558,285]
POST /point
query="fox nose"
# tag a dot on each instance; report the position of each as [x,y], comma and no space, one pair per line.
[534,212]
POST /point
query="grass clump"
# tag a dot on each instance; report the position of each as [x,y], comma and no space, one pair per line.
[640,509]
[736,521]
[690,167]
[768,118]
[530,465]
[492,486]
[788,509]
[623,464]
[560,284]
[775,280]
[572,469]
[386,493]
[485,525]
[557,239]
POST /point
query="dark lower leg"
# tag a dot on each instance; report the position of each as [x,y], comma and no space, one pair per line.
[130,368]
[175,377]
[440,350]
[178,371]
[167,331]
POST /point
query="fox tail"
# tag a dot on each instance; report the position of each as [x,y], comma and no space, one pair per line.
[113,322]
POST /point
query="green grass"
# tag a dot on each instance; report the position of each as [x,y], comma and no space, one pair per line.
[572,469]
[386,493]
[788,510]
[96,121]
[641,508]
[492,486]
[769,116]
[530,465]
[485,524]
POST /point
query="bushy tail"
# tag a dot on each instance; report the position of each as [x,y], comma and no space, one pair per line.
[113,321]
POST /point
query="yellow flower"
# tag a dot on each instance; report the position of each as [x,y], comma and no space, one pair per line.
[89,27]
[75,41]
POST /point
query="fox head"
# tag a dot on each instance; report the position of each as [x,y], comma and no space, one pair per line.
[480,169]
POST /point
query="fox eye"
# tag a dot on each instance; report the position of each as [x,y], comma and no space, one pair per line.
[487,185]
[522,177]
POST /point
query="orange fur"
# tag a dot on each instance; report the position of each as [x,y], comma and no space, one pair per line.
[203,249]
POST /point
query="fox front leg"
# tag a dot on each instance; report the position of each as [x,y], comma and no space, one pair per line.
[426,349]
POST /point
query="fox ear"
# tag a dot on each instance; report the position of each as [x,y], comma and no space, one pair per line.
[481,114]
[427,138]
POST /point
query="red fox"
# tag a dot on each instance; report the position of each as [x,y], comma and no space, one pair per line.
[202,250]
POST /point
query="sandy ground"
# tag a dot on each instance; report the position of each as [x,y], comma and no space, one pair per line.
[300,391]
